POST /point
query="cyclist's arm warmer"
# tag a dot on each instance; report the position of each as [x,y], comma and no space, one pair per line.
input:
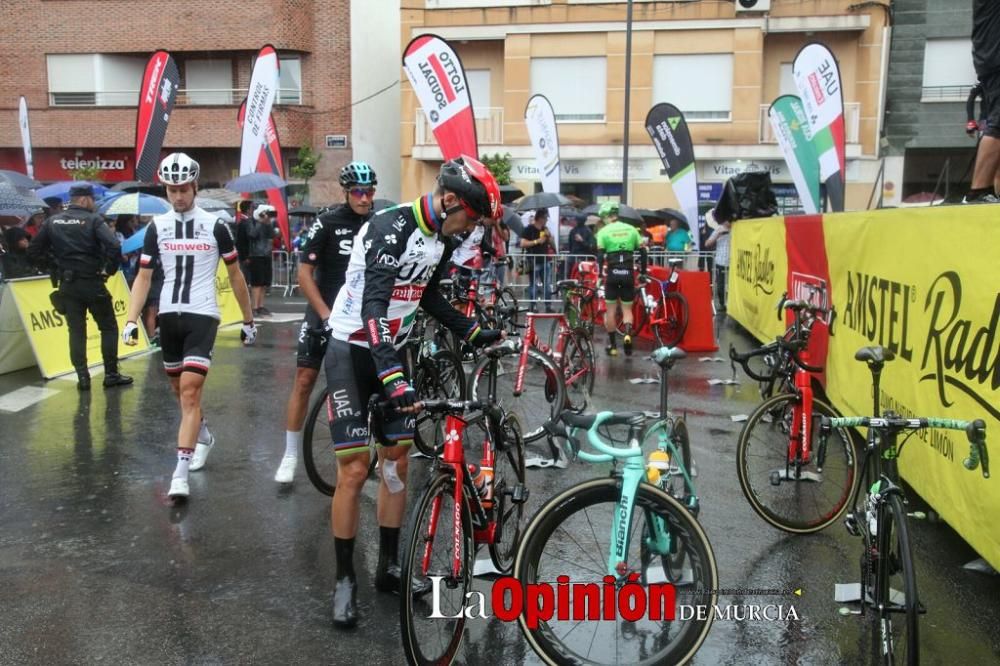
[438,306]
[381,268]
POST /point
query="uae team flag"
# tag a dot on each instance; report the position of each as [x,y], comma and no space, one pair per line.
[438,79]
[791,128]
[670,134]
[156,101]
[817,77]
[269,161]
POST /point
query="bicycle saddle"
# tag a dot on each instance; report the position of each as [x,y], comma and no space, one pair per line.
[675,261]
[665,356]
[876,356]
[445,282]
[586,421]
[795,305]
[567,284]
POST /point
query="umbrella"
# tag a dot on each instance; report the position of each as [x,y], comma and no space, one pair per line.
[212,204]
[225,216]
[134,242]
[18,179]
[649,215]
[628,213]
[255,182]
[542,200]
[510,192]
[62,189]
[156,189]
[382,204]
[13,202]
[135,203]
[304,210]
[220,194]
[674,214]
[513,220]
[591,209]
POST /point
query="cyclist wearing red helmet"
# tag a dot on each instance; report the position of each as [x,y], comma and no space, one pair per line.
[394,268]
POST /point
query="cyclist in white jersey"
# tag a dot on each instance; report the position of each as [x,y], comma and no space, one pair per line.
[189,243]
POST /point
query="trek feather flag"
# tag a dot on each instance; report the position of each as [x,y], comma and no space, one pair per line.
[669,131]
[817,76]
[270,161]
[541,121]
[260,98]
[156,101]
[791,128]
[29,165]
[438,79]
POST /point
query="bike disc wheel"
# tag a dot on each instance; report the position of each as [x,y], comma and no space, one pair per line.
[797,498]
[896,625]
[571,537]
[508,474]
[441,377]
[429,640]
[670,319]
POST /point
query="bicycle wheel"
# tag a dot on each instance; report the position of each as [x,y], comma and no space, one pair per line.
[440,377]
[506,301]
[543,395]
[508,474]
[317,446]
[895,630]
[670,319]
[800,498]
[430,554]
[571,537]
[639,316]
[578,370]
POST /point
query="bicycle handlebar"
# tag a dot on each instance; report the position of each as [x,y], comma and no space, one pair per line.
[744,360]
[608,453]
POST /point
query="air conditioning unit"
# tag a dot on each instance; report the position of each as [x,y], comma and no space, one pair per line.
[753,6]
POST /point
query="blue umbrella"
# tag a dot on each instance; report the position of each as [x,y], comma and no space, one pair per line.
[255,182]
[134,242]
[62,189]
[135,203]
[18,179]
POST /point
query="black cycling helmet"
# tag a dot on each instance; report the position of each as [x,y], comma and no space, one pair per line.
[358,173]
[473,184]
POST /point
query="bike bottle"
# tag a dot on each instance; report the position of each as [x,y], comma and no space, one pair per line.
[482,479]
[657,465]
[650,302]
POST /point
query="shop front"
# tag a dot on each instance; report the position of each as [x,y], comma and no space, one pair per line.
[59,164]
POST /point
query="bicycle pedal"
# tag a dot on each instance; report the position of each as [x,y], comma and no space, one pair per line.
[851,523]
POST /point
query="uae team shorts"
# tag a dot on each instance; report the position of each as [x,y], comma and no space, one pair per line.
[620,284]
[187,341]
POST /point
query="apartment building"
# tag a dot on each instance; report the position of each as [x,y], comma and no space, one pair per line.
[79,63]
[722,63]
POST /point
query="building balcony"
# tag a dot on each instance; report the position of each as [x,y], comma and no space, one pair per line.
[489,128]
[185,97]
[852,124]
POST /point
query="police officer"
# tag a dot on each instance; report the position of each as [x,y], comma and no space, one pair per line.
[83,248]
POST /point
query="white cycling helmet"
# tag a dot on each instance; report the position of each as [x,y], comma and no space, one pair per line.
[264,211]
[178,169]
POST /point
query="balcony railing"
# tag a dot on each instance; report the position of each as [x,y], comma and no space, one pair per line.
[852,124]
[945,93]
[489,127]
[185,97]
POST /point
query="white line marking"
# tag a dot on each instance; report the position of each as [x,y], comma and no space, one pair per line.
[23,397]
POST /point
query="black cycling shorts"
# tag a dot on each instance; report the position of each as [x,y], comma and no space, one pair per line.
[352,378]
[187,341]
[991,105]
[312,345]
[260,271]
[620,284]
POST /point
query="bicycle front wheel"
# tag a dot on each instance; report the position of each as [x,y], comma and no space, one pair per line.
[318,453]
[543,391]
[431,553]
[670,319]
[792,494]
[571,536]
[440,377]
[895,629]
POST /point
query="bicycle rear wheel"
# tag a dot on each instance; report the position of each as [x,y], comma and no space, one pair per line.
[895,629]
[508,475]
[578,370]
[430,554]
[670,319]
[797,497]
[441,377]
[571,537]
[318,453]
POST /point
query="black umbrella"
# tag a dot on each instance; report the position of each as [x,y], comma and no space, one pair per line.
[650,215]
[304,210]
[513,220]
[591,209]
[18,179]
[382,204]
[674,214]
[509,193]
[255,182]
[629,213]
[156,189]
[542,200]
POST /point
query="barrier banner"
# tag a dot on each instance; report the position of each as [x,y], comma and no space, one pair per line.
[22,116]
[15,350]
[47,330]
[229,308]
[270,161]
[159,92]
[809,279]
[541,121]
[669,131]
[260,98]
[758,275]
[817,76]
[791,128]
[438,79]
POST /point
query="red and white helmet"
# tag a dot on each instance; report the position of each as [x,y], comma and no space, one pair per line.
[178,169]
[473,184]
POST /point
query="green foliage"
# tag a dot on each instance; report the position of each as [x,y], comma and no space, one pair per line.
[499,165]
[90,173]
[306,167]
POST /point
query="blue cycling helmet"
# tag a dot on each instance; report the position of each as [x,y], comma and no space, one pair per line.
[358,173]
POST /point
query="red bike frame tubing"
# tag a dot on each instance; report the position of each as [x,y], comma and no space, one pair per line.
[802,416]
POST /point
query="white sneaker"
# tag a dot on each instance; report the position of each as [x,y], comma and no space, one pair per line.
[179,488]
[201,453]
[286,470]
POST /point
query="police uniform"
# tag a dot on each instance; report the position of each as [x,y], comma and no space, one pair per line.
[83,246]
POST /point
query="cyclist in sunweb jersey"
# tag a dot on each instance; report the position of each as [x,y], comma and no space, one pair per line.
[395,267]
[617,242]
[323,263]
[189,243]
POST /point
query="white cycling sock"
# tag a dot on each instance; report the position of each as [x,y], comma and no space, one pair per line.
[183,461]
[293,442]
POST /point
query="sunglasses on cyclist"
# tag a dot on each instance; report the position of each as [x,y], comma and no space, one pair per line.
[361,192]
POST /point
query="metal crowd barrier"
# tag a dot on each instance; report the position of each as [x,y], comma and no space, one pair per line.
[279,271]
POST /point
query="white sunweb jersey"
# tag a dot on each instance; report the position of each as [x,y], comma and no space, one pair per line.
[189,246]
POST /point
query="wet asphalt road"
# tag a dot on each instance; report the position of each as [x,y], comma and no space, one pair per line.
[95,566]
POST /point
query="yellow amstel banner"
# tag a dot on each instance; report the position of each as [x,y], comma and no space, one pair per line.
[758,275]
[923,283]
[229,308]
[47,330]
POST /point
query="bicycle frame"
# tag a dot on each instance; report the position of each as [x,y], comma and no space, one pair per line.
[670,284]
[531,340]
